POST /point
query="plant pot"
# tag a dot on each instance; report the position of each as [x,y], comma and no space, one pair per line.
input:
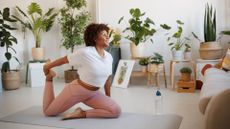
[185,77]
[154,68]
[0,82]
[116,54]
[144,69]
[11,80]
[136,51]
[71,75]
[178,55]
[210,51]
[187,55]
[38,53]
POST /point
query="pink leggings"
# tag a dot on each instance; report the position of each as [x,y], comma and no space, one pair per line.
[73,93]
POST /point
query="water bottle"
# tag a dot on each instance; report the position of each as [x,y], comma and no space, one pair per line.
[158,103]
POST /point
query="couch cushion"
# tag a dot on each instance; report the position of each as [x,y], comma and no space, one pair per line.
[215,81]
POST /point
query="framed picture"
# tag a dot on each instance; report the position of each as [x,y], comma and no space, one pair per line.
[123,73]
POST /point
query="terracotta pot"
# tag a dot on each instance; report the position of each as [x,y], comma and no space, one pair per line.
[178,55]
[144,69]
[210,50]
[154,68]
[38,53]
[185,77]
[71,75]
[187,55]
[11,80]
[136,51]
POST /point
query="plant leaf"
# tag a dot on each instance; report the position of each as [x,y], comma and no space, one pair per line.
[165,26]
[121,19]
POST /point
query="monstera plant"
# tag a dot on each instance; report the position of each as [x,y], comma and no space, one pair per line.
[73,23]
[37,22]
[10,77]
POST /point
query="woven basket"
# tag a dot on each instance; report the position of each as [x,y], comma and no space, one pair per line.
[210,50]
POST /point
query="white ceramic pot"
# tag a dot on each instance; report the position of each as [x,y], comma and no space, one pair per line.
[178,55]
[136,51]
[187,55]
[144,69]
[38,53]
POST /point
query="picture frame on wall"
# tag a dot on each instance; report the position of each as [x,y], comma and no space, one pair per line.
[123,73]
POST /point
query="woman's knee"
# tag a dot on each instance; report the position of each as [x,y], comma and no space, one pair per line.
[116,111]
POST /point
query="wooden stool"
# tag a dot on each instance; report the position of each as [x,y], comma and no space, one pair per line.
[157,76]
[185,87]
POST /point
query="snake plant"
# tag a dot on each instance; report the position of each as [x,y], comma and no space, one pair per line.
[36,21]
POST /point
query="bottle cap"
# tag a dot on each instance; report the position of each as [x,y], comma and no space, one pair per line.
[158,93]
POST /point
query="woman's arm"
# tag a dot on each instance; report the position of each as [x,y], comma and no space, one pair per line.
[108,85]
[55,63]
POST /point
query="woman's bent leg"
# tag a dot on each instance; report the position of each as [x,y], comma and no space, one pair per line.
[53,106]
[103,106]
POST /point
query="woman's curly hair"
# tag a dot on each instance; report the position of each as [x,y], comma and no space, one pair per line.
[92,32]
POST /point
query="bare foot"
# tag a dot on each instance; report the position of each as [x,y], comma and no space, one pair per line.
[50,75]
[78,113]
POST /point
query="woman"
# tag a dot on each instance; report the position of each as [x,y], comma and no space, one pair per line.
[94,69]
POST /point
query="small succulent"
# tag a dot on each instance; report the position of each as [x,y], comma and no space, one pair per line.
[186,70]
[144,61]
[156,59]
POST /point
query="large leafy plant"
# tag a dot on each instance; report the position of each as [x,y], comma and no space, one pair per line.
[73,23]
[36,21]
[209,25]
[141,30]
[176,40]
[6,39]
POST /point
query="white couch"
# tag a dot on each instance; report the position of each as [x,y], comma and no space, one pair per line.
[215,99]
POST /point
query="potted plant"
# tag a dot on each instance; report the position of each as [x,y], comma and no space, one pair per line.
[10,78]
[144,63]
[139,31]
[155,63]
[185,74]
[187,52]
[209,49]
[176,41]
[114,47]
[72,28]
[37,22]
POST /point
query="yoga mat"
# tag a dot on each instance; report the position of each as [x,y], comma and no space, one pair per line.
[34,116]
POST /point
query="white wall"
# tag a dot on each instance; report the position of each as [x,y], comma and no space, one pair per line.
[109,11]
[50,40]
[165,11]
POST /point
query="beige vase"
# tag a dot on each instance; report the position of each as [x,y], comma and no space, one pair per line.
[136,51]
[11,80]
[210,50]
[38,53]
[71,75]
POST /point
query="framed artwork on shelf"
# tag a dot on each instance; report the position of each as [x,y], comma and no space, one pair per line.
[123,73]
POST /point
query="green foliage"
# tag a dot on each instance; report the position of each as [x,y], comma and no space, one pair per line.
[144,61]
[176,41]
[156,59]
[116,38]
[186,70]
[141,30]
[72,24]
[36,21]
[209,25]
[6,39]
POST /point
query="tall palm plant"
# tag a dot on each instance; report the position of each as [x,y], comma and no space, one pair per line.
[36,21]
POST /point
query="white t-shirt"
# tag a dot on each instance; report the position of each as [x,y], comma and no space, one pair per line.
[92,68]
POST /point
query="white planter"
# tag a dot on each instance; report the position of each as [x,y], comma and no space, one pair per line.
[37,77]
[137,51]
[188,55]
[144,69]
[178,55]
